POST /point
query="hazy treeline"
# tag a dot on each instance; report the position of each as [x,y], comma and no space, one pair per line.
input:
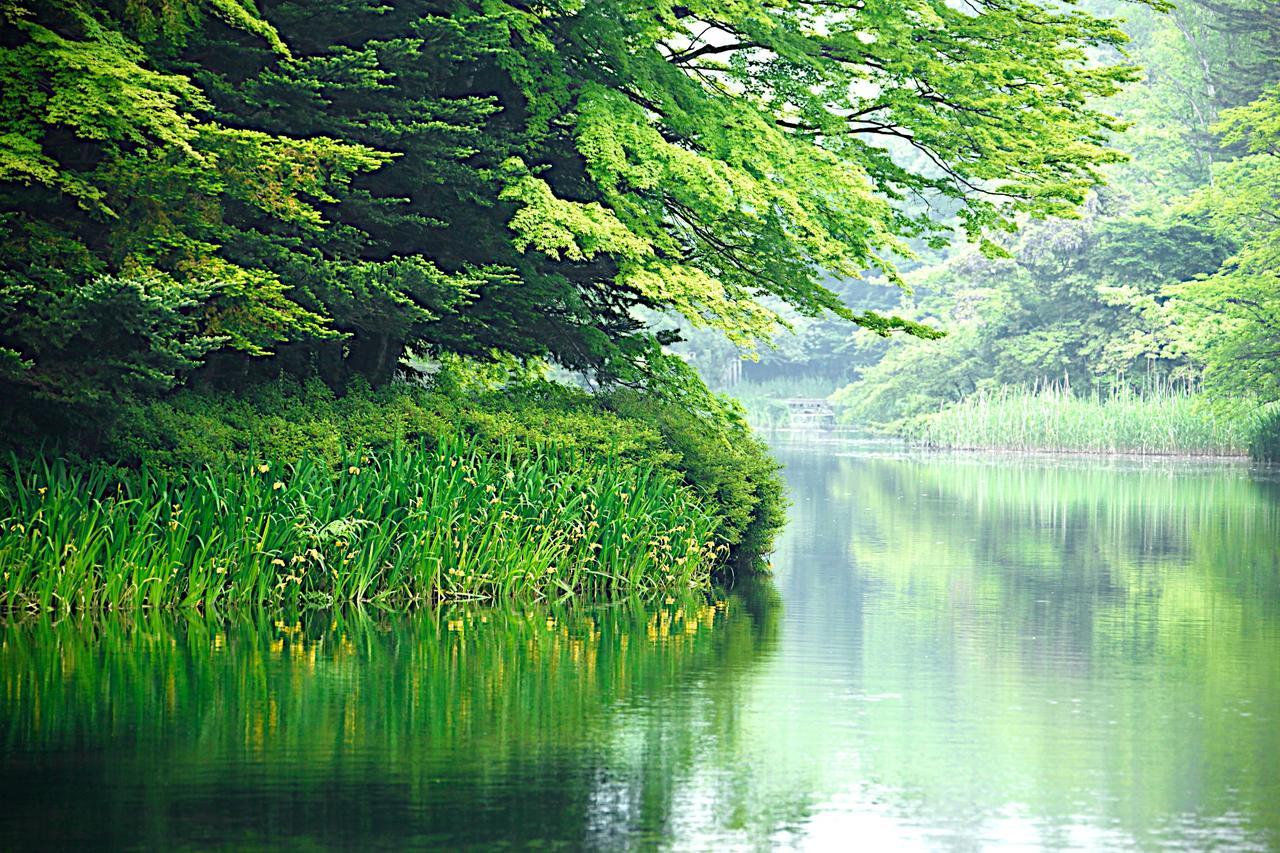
[1164,283]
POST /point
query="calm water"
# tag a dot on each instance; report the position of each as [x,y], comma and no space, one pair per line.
[954,653]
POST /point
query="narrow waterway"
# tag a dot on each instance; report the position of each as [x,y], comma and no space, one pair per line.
[955,652]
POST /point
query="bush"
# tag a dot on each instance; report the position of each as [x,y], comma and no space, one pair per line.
[288,422]
[720,458]
[285,422]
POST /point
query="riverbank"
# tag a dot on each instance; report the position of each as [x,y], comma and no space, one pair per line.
[405,495]
[1058,421]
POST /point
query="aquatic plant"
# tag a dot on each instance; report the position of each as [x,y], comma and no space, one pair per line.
[714,454]
[429,523]
[1264,435]
[1163,420]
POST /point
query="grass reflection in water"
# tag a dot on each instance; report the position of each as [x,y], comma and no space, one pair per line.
[476,723]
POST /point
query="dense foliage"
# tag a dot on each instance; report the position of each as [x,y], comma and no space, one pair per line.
[1234,314]
[418,523]
[217,191]
[1080,303]
[396,495]
[1166,280]
[287,422]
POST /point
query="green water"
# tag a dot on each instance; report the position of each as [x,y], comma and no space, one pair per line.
[954,653]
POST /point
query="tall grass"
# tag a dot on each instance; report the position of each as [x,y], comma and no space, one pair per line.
[427,523]
[1264,438]
[1164,420]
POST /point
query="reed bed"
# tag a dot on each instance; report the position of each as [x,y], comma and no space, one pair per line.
[416,524]
[1264,442]
[1165,420]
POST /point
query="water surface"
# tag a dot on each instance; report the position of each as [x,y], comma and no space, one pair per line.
[955,652]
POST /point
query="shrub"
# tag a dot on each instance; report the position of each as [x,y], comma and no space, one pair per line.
[719,457]
[203,444]
[284,422]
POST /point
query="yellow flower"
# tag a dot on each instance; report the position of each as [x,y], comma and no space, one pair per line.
[277,485]
[264,468]
[277,562]
[42,490]
[353,470]
[222,570]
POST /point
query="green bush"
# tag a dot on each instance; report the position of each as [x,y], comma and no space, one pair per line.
[720,458]
[286,423]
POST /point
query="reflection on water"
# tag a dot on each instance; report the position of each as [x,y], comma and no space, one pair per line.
[955,653]
[1019,652]
[567,727]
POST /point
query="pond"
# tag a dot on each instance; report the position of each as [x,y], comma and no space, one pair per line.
[955,652]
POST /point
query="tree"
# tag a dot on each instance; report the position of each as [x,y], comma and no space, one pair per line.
[335,182]
[1234,314]
[1081,303]
[115,196]
[1199,58]
[737,150]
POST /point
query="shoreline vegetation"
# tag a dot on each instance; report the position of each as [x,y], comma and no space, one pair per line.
[1164,420]
[1161,422]
[393,497]
[230,232]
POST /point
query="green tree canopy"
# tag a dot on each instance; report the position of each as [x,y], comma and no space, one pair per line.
[188,184]
[1234,314]
[117,193]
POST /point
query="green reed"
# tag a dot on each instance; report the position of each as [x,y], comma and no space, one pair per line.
[426,524]
[1162,420]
